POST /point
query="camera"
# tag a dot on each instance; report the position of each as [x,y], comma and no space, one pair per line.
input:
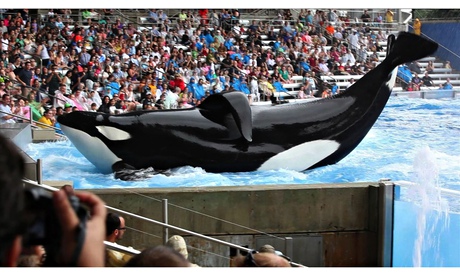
[41,222]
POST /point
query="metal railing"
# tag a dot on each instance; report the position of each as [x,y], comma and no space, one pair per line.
[163,224]
[36,123]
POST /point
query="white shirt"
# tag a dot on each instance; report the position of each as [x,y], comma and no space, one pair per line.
[353,38]
[312,82]
[5,43]
[171,100]
[6,108]
[323,67]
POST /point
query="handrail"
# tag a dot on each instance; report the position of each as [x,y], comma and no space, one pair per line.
[37,90]
[241,248]
[443,190]
[36,122]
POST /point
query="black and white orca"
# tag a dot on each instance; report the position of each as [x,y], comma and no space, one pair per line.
[226,134]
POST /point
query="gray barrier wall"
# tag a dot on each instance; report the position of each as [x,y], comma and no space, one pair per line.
[330,224]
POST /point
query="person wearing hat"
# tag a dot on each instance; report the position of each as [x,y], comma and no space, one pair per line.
[148,103]
[67,108]
[191,86]
[177,243]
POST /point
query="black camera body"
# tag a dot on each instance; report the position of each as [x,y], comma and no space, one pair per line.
[41,221]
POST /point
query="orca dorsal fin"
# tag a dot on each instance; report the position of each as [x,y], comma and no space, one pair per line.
[218,107]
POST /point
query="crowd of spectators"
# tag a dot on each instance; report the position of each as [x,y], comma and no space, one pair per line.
[106,65]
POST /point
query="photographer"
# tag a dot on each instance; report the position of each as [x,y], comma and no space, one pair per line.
[88,251]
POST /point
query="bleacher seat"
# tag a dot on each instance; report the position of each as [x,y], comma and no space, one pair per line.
[442,70]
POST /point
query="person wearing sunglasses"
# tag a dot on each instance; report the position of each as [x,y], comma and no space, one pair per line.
[115,229]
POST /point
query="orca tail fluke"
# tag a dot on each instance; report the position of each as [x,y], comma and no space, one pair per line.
[409,47]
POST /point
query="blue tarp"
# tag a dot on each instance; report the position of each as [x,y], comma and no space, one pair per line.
[240,86]
[199,92]
[279,87]
[404,73]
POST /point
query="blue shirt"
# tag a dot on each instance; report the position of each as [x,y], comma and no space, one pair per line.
[334,89]
[191,87]
[115,88]
[279,87]
[228,44]
[199,92]
[199,46]
[447,86]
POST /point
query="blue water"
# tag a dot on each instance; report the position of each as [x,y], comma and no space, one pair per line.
[415,141]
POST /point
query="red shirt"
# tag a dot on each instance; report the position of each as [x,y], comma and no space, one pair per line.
[178,82]
[77,38]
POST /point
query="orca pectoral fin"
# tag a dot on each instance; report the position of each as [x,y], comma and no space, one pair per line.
[127,172]
[218,107]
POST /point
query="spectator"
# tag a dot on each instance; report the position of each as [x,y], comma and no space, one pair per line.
[104,107]
[417,26]
[115,229]
[158,256]
[42,51]
[324,69]
[389,16]
[353,40]
[88,251]
[447,85]
[46,120]
[149,102]
[160,103]
[429,67]
[350,82]
[259,259]
[178,243]
[5,106]
[24,76]
[53,80]
[266,87]
[254,88]
[427,80]
[447,65]
[365,17]
[416,82]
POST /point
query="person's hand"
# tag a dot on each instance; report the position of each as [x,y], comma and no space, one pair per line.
[93,249]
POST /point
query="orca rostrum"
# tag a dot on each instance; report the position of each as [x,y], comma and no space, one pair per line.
[226,134]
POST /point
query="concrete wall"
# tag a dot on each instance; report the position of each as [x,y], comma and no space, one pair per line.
[339,222]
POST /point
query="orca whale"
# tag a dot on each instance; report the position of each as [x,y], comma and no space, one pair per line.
[225,134]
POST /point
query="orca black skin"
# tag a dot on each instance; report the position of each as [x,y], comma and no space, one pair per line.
[225,134]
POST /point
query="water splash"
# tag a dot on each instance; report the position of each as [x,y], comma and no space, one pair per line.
[433,208]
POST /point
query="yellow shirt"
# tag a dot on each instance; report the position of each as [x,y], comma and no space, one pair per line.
[45,121]
[417,27]
[116,259]
[389,16]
